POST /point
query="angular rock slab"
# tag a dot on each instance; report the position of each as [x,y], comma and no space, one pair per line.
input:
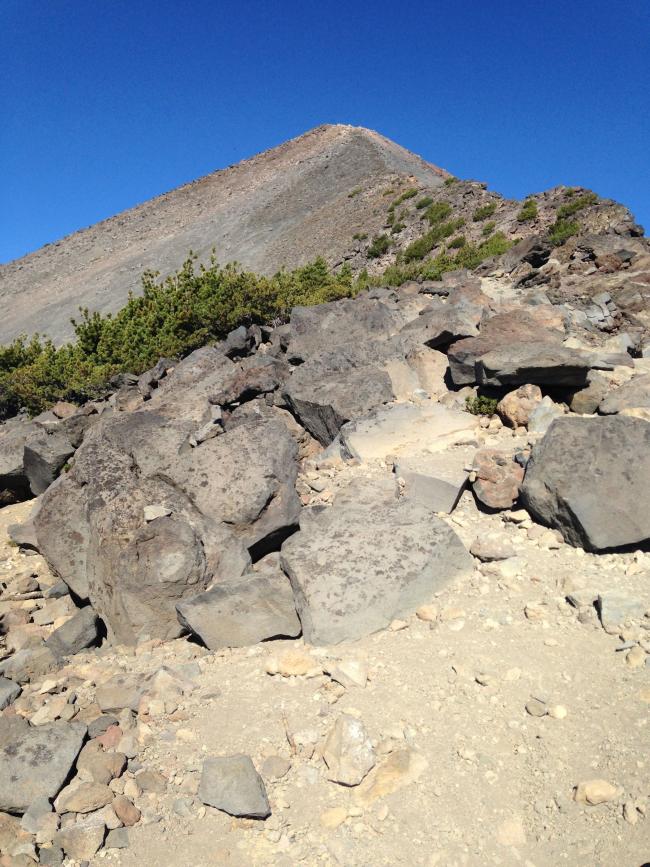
[435,481]
[590,478]
[237,614]
[35,761]
[542,363]
[231,784]
[404,428]
[368,559]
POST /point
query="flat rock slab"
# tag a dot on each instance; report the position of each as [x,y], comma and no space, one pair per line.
[544,363]
[435,481]
[368,559]
[588,477]
[36,761]
[231,784]
[237,614]
[406,427]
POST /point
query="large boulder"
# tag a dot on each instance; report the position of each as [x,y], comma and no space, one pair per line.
[221,504]
[588,477]
[318,329]
[542,362]
[328,391]
[36,761]
[368,559]
[542,324]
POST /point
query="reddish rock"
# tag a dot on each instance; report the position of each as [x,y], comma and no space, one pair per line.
[498,478]
[111,737]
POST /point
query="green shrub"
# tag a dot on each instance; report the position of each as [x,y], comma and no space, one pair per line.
[359,236]
[561,230]
[396,228]
[488,228]
[437,212]
[483,212]
[450,180]
[354,192]
[528,211]
[481,405]
[424,202]
[170,318]
[407,194]
[458,242]
[419,248]
[380,245]
[388,192]
[570,208]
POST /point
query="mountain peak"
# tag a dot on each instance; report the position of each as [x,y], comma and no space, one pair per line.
[277,209]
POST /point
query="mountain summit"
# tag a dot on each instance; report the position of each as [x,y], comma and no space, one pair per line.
[280,208]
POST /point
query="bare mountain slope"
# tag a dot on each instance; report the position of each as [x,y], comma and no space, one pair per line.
[280,208]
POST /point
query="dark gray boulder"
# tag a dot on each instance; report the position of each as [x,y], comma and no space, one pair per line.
[541,324]
[240,613]
[538,363]
[319,329]
[327,392]
[77,633]
[44,456]
[36,761]
[588,477]
[14,485]
[231,784]
[368,559]
[9,691]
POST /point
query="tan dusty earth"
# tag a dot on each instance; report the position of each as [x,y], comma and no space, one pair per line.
[465,774]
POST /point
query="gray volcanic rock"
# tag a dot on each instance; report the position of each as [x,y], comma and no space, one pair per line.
[231,498]
[75,634]
[547,363]
[368,559]
[279,209]
[348,322]
[36,761]
[231,784]
[326,393]
[43,458]
[14,484]
[588,477]
[8,692]
[513,328]
[239,613]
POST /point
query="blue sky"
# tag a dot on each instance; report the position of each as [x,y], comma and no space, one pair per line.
[105,103]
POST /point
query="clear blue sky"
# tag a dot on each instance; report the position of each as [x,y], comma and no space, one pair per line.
[105,103]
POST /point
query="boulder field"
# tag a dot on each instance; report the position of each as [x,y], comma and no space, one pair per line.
[310,488]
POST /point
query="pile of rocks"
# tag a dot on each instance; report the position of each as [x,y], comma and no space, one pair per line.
[205,498]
